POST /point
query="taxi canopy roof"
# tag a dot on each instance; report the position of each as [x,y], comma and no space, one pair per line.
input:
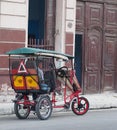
[27,51]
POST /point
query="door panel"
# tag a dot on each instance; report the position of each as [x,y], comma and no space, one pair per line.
[93,44]
[109,63]
[109,53]
[80,15]
[108,80]
[92,80]
[93,56]
[110,16]
[94,14]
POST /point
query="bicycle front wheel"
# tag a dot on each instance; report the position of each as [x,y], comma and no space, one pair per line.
[81,106]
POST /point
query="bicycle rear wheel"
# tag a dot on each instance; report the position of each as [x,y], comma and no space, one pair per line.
[44,108]
[22,111]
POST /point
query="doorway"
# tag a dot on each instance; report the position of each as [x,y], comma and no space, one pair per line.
[78,57]
[36,19]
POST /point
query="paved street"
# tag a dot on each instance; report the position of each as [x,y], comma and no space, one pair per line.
[98,120]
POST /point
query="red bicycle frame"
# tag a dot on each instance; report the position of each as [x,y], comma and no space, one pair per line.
[67,98]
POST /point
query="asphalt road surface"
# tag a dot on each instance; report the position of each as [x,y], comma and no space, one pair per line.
[92,120]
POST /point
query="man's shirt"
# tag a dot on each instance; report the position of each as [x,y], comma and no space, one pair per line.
[40,74]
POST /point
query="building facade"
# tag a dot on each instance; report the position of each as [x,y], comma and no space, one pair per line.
[86,29]
[96,21]
[13,27]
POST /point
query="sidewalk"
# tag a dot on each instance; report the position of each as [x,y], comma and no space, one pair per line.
[97,101]
[102,101]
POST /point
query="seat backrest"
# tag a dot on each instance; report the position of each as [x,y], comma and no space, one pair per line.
[50,79]
[53,74]
[32,80]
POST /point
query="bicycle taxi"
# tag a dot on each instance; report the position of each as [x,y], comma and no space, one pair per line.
[34,95]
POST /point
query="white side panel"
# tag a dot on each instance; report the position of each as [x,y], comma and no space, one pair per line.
[13,22]
[16,1]
[14,14]
[13,9]
[70,3]
[69,14]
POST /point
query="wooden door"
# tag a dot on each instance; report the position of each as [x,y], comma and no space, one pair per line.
[109,47]
[93,42]
[93,50]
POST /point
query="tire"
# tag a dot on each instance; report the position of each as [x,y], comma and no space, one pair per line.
[81,107]
[21,111]
[44,108]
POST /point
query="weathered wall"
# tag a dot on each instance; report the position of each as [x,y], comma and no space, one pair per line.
[13,34]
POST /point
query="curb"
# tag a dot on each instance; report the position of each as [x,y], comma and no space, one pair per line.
[9,109]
